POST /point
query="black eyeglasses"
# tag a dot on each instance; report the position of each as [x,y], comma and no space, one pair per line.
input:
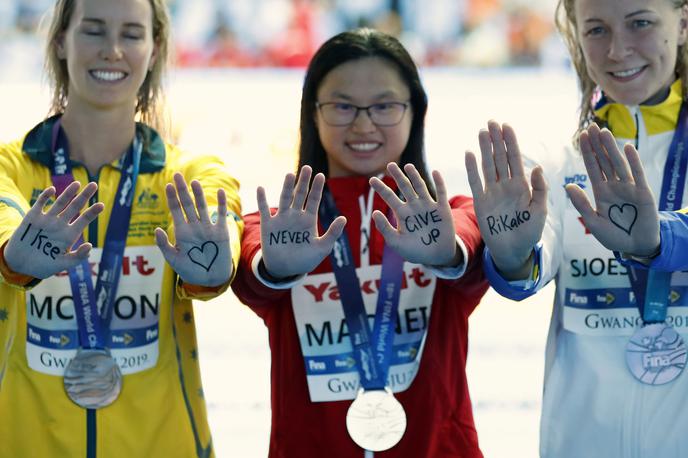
[381,114]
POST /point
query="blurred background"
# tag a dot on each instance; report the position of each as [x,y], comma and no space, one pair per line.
[234,91]
[285,33]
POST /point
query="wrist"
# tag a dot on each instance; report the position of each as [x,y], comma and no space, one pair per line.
[515,267]
[456,260]
[9,274]
[272,278]
[644,258]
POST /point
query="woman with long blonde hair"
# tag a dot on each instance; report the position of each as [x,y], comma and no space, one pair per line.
[615,353]
[99,349]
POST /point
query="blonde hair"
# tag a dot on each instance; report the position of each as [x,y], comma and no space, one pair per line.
[565,19]
[150,95]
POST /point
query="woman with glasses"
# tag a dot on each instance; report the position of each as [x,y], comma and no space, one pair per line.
[367,323]
[614,385]
[99,354]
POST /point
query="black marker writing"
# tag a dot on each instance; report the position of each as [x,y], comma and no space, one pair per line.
[199,255]
[623,216]
[285,237]
[505,223]
[417,222]
[41,243]
[432,237]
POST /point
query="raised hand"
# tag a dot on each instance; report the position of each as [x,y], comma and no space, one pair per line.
[42,244]
[424,232]
[626,218]
[511,213]
[289,238]
[201,254]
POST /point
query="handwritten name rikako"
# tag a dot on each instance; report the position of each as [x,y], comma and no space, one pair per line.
[504,223]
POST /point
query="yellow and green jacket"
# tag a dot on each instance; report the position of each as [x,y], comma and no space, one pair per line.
[161,411]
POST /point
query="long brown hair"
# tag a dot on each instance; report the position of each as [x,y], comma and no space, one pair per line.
[148,103]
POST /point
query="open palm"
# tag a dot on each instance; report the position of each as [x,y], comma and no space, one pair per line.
[201,253]
[425,231]
[511,215]
[289,238]
[43,243]
[626,218]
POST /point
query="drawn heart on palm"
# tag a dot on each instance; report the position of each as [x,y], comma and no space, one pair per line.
[199,255]
[623,216]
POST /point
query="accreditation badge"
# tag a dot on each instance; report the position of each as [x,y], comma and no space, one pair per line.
[326,348]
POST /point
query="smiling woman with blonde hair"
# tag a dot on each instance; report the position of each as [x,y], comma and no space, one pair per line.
[613,385]
[99,350]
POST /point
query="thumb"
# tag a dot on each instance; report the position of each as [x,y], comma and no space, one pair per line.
[581,202]
[333,232]
[539,185]
[384,226]
[163,242]
[73,258]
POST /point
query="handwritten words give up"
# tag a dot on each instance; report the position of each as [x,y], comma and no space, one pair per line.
[504,223]
[417,222]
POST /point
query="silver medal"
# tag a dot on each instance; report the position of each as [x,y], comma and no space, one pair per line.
[92,378]
[376,421]
[656,354]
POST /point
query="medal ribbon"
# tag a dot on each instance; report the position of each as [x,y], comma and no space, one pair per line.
[652,287]
[92,324]
[372,351]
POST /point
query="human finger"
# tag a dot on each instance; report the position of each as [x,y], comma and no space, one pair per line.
[513,151]
[301,189]
[417,182]
[488,161]
[201,203]
[500,159]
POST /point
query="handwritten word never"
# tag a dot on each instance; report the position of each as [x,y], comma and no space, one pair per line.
[285,237]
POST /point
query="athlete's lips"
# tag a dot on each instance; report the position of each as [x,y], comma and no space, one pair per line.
[627,74]
[364,146]
[108,75]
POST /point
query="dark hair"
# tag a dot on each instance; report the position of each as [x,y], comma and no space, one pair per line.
[353,45]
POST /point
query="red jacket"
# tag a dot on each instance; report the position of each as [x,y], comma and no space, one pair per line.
[437,403]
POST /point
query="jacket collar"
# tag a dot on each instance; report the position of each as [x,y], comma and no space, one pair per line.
[37,145]
[660,118]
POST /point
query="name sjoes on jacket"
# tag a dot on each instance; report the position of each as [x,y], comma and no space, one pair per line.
[592,405]
[161,411]
[314,378]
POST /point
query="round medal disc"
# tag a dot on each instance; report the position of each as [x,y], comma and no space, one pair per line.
[376,421]
[656,354]
[92,378]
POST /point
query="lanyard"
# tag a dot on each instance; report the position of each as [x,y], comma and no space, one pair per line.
[652,287]
[372,351]
[93,308]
